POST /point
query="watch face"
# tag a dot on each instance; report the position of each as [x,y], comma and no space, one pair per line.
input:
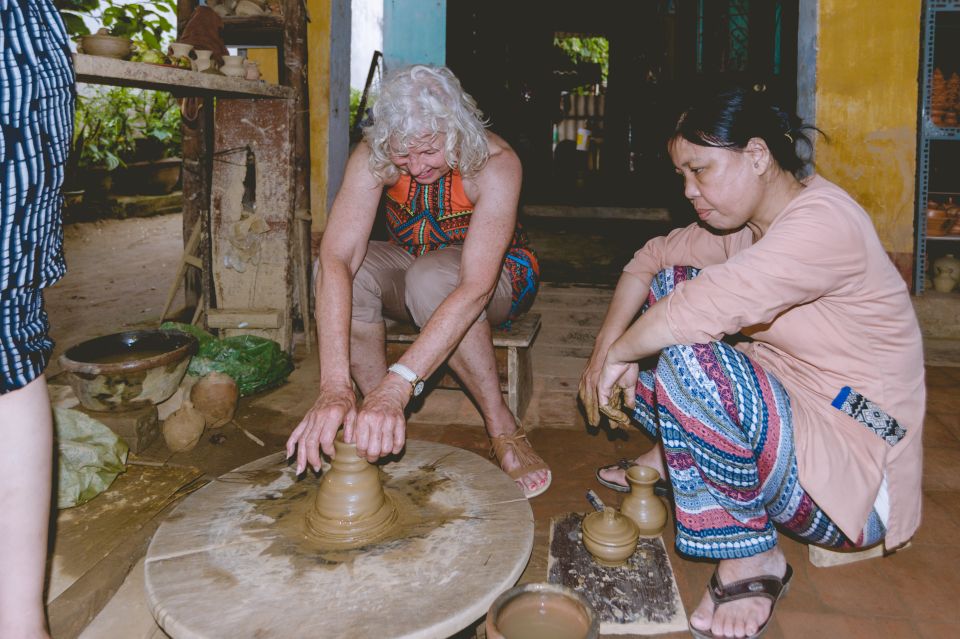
[418,388]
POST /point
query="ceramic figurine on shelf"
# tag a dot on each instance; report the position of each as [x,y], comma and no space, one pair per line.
[233,66]
[946,273]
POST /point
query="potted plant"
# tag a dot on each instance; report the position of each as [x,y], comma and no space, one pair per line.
[122,23]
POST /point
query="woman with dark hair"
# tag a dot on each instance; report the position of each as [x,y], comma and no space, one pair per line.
[811,419]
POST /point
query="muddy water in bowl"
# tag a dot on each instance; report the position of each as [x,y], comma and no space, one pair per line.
[541,611]
[128,370]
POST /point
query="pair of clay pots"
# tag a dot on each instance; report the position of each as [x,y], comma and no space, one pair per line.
[611,537]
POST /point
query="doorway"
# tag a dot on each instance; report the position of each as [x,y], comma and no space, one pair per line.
[585,91]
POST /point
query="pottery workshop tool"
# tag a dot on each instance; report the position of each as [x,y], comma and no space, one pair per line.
[639,598]
[238,558]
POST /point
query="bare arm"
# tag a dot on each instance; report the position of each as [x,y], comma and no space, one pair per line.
[628,297]
[341,253]
[380,425]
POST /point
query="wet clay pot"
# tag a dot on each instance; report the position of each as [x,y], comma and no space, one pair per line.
[641,504]
[609,536]
[541,611]
[351,508]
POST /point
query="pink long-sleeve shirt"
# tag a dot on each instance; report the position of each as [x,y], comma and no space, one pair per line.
[825,308]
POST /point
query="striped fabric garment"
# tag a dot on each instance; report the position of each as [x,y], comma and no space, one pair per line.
[727,431]
[37,94]
[427,217]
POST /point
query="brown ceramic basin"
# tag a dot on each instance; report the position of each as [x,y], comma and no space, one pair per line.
[128,370]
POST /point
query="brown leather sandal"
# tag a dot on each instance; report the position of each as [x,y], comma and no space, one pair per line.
[768,586]
[523,452]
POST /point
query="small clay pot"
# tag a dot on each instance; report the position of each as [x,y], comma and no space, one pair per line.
[233,66]
[609,536]
[641,505]
[541,610]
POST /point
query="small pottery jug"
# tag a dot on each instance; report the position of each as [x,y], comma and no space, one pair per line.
[641,505]
[947,266]
[203,61]
[609,536]
[233,66]
[944,284]
[180,49]
[541,610]
[252,71]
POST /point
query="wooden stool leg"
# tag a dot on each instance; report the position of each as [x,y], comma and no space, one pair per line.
[519,380]
[185,261]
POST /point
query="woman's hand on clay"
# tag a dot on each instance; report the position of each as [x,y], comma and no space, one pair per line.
[589,379]
[380,427]
[333,408]
[616,378]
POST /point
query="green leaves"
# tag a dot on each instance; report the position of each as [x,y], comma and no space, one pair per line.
[109,123]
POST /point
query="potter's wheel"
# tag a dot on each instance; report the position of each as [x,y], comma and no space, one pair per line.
[232,561]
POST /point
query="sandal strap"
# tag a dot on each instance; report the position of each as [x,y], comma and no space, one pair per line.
[518,444]
[769,586]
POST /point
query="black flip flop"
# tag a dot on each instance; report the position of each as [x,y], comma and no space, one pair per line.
[662,488]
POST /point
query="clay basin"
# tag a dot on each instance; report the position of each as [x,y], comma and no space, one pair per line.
[128,370]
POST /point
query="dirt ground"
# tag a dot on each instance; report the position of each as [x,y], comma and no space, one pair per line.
[123,267]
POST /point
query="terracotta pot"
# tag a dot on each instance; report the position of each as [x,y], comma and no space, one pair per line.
[609,536]
[641,505]
[541,610]
[105,45]
[129,370]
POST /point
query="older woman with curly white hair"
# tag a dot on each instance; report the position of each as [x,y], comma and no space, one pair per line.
[456,263]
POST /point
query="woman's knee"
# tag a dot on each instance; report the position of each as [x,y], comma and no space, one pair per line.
[428,282]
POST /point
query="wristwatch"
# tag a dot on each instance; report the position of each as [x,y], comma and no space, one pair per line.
[408,375]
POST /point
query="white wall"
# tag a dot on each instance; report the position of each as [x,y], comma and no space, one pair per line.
[366,32]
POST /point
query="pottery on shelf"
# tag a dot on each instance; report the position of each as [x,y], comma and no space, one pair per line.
[641,505]
[609,536]
[351,508]
[107,46]
[251,70]
[180,49]
[233,66]
[204,60]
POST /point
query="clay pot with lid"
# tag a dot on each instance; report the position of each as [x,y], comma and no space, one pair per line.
[641,504]
[609,536]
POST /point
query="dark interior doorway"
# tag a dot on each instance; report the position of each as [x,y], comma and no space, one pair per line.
[594,136]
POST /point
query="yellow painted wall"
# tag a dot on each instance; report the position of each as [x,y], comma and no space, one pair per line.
[867,105]
[318,74]
[266,58]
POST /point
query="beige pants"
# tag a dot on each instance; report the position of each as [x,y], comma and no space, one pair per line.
[392,283]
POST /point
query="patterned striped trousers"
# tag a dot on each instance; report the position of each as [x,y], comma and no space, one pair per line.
[727,431]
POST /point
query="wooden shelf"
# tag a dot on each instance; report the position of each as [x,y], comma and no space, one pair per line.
[181,82]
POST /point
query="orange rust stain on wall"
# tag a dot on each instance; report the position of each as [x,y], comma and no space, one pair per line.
[867,105]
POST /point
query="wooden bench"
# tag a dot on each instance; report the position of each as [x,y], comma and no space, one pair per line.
[511,348]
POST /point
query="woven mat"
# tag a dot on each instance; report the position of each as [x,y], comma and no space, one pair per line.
[639,598]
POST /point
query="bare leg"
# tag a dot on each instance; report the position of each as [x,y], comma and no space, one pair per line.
[739,618]
[475,364]
[368,356]
[652,458]
[25,478]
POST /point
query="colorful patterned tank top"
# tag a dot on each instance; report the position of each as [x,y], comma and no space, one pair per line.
[427,217]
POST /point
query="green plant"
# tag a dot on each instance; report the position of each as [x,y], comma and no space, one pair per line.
[113,124]
[145,20]
[594,49]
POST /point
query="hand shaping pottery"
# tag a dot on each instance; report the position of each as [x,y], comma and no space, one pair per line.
[641,505]
[351,508]
[609,536]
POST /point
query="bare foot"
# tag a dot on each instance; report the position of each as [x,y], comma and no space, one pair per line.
[652,458]
[741,618]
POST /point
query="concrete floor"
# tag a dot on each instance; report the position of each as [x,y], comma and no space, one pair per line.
[909,594]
